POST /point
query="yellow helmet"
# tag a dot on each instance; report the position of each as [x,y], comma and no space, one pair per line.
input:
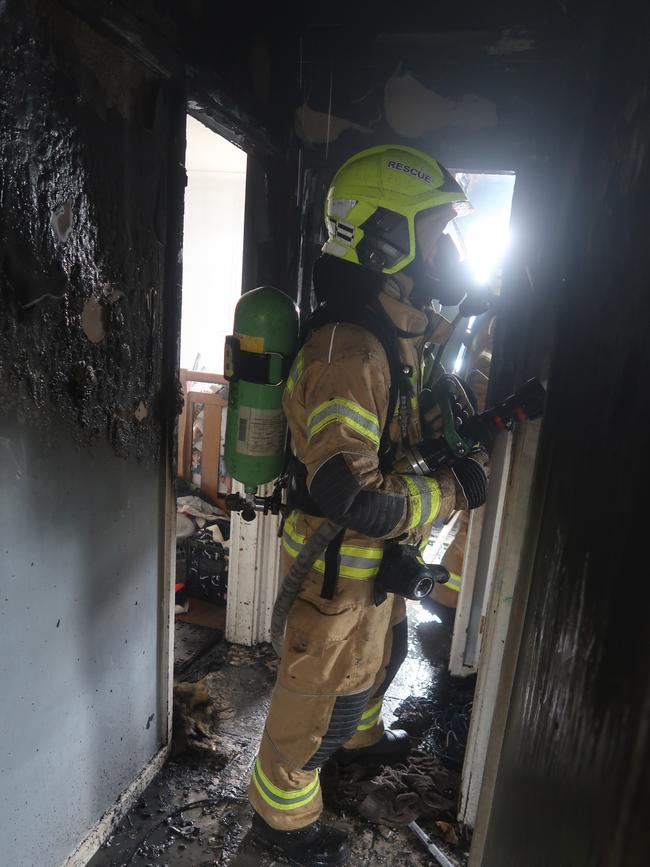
[373,200]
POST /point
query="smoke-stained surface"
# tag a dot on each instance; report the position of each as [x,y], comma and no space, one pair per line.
[91,147]
[570,789]
[84,150]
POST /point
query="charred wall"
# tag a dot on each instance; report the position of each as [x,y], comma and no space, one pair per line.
[572,787]
[91,180]
[86,170]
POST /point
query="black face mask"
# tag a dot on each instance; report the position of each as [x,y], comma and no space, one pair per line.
[445,279]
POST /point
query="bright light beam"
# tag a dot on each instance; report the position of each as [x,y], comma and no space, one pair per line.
[486,243]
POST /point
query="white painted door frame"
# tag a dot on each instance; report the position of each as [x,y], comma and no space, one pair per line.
[490,699]
[253,575]
[479,564]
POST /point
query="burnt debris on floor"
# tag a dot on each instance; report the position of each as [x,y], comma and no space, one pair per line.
[435,713]
[191,642]
[196,813]
[218,717]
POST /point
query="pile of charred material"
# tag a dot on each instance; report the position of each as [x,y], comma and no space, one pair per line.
[425,788]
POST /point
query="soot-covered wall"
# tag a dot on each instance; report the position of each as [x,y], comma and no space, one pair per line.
[91,150]
[573,787]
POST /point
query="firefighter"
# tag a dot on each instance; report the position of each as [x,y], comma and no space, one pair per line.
[386,259]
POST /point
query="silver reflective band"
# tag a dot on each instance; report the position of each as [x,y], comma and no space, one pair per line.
[346,412]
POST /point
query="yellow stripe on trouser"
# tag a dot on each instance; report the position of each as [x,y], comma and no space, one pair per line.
[344,412]
[356,562]
[370,716]
[283,799]
[424,500]
[454,582]
[372,722]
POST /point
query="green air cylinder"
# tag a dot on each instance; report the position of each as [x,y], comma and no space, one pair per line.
[257,360]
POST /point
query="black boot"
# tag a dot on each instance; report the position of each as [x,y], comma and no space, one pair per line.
[316,845]
[392,749]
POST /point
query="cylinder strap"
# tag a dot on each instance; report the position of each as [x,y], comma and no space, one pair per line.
[259,368]
[263,368]
[332,566]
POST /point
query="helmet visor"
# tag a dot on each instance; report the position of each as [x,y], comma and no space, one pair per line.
[429,229]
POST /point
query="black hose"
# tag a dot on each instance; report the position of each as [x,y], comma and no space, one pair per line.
[205,802]
[295,577]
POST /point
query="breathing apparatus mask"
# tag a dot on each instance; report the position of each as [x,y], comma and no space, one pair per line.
[436,271]
[442,278]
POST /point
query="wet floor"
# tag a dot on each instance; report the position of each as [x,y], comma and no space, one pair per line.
[195,813]
[417,674]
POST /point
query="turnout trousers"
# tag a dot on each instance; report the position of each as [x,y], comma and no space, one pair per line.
[338,659]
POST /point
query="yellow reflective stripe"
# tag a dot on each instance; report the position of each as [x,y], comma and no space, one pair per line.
[292,541]
[293,550]
[372,711]
[415,501]
[358,551]
[364,727]
[424,500]
[286,794]
[356,562]
[283,799]
[454,582]
[344,412]
[436,499]
[370,717]
[296,372]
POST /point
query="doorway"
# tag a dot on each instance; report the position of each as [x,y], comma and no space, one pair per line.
[212,284]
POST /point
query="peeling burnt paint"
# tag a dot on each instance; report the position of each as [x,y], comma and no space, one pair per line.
[83,187]
[412,109]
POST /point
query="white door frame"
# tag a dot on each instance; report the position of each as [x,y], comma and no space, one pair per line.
[253,575]
[494,679]
[479,564]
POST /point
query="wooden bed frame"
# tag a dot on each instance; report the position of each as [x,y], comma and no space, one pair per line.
[211,447]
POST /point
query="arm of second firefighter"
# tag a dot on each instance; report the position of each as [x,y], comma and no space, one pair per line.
[345,404]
